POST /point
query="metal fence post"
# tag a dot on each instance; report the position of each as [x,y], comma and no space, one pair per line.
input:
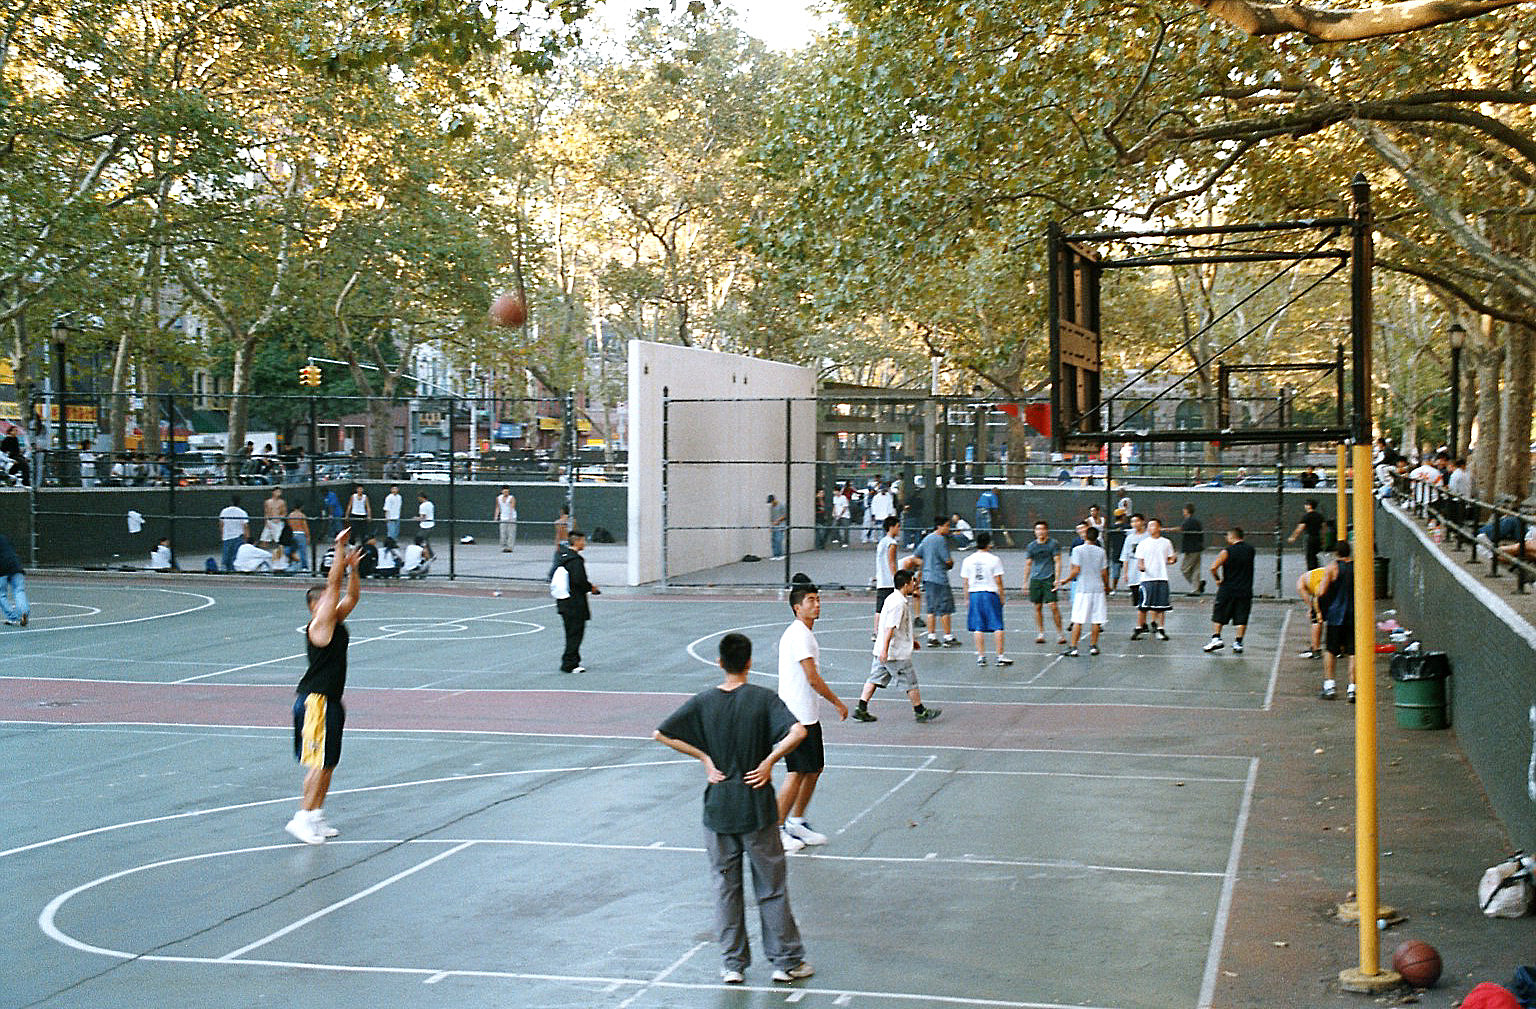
[789,484]
[666,418]
[315,507]
[170,469]
[1279,528]
[453,519]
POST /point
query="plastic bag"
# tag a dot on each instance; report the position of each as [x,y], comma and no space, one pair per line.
[1505,889]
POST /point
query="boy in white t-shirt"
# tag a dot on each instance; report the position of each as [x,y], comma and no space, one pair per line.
[1089,574]
[1128,566]
[885,567]
[982,574]
[800,683]
[1154,556]
[893,651]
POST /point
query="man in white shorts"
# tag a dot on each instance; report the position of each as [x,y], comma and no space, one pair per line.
[893,652]
[1154,556]
[982,573]
[1089,575]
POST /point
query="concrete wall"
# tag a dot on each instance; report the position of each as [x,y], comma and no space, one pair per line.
[88,526]
[723,458]
[1492,650]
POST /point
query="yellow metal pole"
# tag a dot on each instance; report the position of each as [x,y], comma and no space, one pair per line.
[1366,845]
[1341,507]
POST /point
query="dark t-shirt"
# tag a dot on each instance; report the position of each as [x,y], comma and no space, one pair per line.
[327,672]
[1043,559]
[1237,572]
[737,728]
[1193,540]
[10,564]
[1312,523]
[1309,480]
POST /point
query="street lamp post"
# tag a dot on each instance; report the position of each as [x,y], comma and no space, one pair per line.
[1458,336]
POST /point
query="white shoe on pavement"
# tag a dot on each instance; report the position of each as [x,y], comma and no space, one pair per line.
[304,828]
[791,843]
[803,832]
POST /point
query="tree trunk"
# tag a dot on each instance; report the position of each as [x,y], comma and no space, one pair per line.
[26,386]
[1515,420]
[1488,360]
[117,409]
[239,405]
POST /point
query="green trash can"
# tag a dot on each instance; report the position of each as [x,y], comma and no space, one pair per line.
[1419,689]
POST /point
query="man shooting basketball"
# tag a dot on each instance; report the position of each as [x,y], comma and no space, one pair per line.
[317,714]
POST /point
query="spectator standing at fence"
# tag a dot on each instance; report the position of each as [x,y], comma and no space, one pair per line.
[842,513]
[1154,554]
[234,526]
[987,505]
[14,462]
[882,505]
[570,587]
[426,516]
[1191,546]
[318,716]
[87,465]
[1309,478]
[1311,528]
[1459,483]
[359,514]
[933,551]
[1233,571]
[392,508]
[332,513]
[505,514]
[13,586]
[1424,476]
[1338,606]
[802,688]
[298,525]
[738,731]
[1095,518]
[273,509]
[778,515]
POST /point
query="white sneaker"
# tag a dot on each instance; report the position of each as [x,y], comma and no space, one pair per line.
[791,843]
[795,973]
[1214,644]
[321,824]
[732,976]
[303,828]
[803,831]
[1237,646]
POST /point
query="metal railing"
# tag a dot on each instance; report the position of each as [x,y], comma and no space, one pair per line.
[1461,518]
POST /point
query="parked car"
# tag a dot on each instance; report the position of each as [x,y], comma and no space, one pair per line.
[1267,480]
[199,468]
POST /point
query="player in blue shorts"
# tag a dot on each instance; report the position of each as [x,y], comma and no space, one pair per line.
[318,716]
[982,573]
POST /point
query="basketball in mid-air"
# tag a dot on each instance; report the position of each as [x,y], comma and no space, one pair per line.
[509,310]
[1418,963]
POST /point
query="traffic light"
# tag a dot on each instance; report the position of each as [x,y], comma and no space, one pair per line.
[309,375]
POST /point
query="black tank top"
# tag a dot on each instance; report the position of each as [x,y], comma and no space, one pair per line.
[327,666]
[1237,572]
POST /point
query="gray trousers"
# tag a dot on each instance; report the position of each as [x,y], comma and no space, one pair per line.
[781,936]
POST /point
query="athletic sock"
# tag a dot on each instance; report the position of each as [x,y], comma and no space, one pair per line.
[1239,640]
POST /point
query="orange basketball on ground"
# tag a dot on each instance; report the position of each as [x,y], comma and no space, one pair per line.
[1418,963]
[509,310]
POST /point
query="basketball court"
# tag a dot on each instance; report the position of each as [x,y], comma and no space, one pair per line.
[512,835]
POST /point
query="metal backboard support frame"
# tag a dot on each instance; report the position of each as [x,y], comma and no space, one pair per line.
[1083,420]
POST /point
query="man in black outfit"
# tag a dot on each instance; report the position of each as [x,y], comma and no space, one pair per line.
[1311,525]
[571,599]
[1233,571]
[318,717]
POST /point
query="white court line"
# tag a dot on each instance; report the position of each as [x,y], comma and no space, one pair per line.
[207,602]
[360,641]
[692,647]
[1224,905]
[671,969]
[214,729]
[1047,668]
[1274,669]
[322,912]
[889,792]
[335,791]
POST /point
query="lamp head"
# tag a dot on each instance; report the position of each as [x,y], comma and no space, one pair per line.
[1458,334]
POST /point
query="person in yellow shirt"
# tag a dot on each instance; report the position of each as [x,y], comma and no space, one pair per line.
[1310,587]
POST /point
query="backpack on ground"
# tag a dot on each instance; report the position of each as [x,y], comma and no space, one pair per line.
[1505,889]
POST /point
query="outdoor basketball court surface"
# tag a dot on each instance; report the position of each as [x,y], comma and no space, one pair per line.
[512,836]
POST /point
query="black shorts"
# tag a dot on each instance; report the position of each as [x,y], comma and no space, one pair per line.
[1339,639]
[317,725]
[810,756]
[1233,610]
[1154,596]
[881,595]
